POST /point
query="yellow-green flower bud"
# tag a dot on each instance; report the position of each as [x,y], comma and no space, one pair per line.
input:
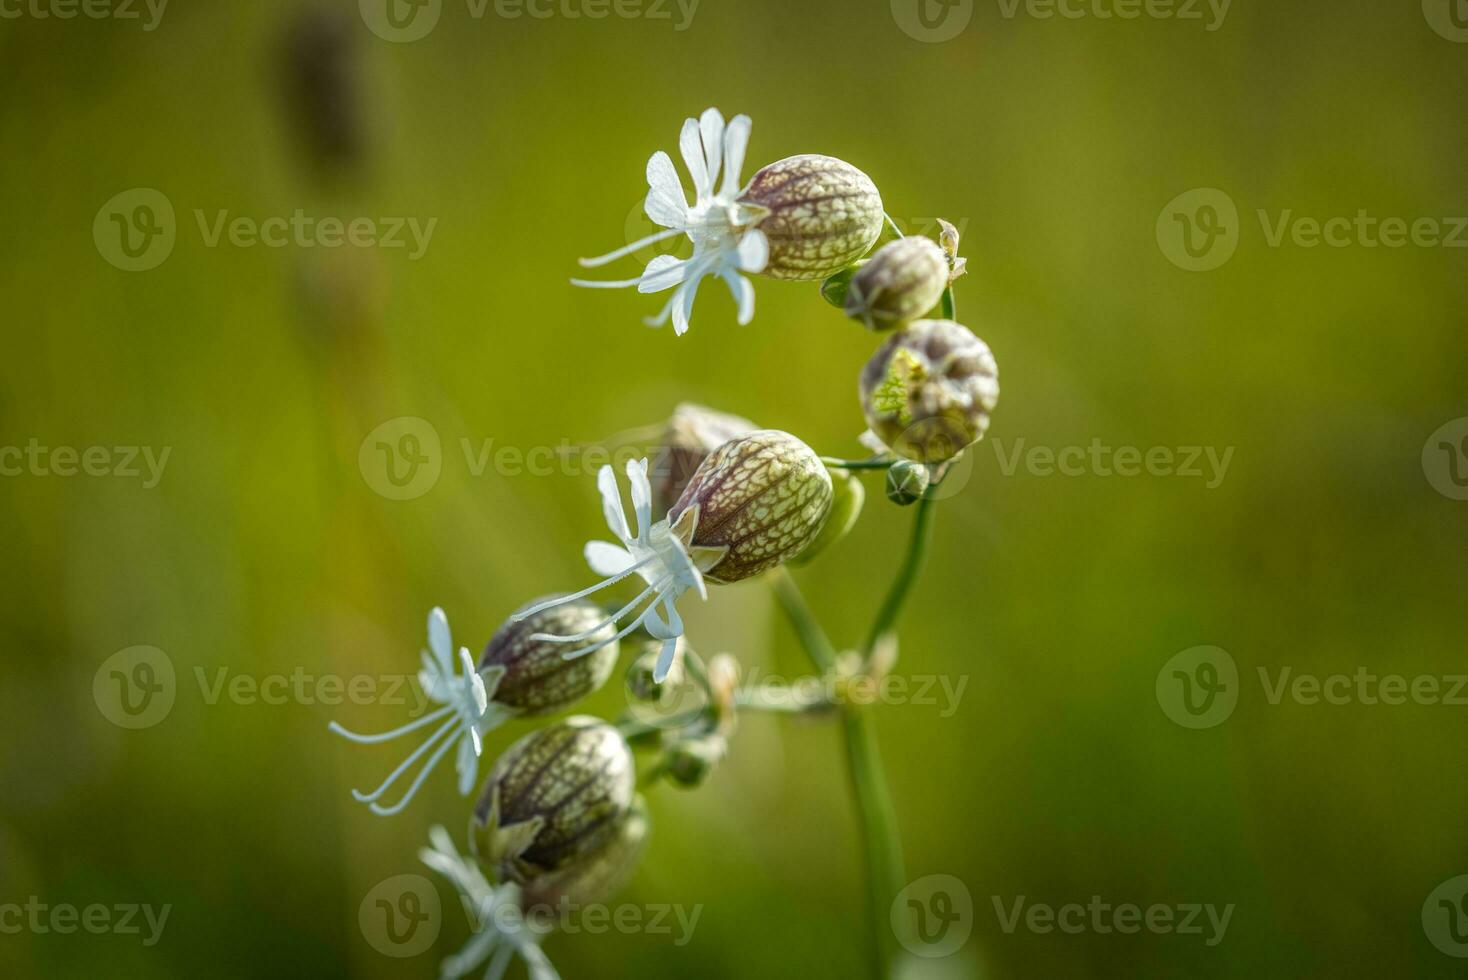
[820,214]
[755,502]
[538,679]
[903,281]
[848,496]
[553,798]
[928,391]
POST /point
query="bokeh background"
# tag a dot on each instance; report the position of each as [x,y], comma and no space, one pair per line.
[1055,144]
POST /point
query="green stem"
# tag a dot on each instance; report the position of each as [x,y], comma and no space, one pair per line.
[812,636]
[881,842]
[917,548]
[896,231]
[949,304]
[857,464]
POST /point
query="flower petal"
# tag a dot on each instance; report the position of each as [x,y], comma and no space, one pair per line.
[683,306]
[743,291]
[690,143]
[736,141]
[641,495]
[665,660]
[439,639]
[611,503]
[711,129]
[666,203]
[754,251]
[663,272]
[607,559]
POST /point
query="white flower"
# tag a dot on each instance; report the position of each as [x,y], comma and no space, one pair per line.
[725,240]
[500,928]
[658,552]
[466,714]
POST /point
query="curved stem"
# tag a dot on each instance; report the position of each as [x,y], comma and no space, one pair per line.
[812,636]
[881,842]
[917,548]
[857,464]
[892,225]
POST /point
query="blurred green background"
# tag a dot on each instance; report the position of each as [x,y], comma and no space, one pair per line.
[1054,144]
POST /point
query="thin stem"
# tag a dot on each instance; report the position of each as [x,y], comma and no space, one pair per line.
[949,304]
[881,841]
[812,636]
[857,464]
[896,231]
[917,548]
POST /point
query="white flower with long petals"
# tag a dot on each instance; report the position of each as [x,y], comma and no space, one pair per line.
[467,713]
[660,553]
[500,928]
[726,241]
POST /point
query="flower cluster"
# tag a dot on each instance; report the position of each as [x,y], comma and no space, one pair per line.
[727,501]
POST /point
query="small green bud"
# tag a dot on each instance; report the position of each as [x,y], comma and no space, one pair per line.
[755,502]
[848,497]
[554,797]
[690,761]
[598,875]
[928,391]
[907,481]
[691,434]
[538,679]
[903,281]
[820,214]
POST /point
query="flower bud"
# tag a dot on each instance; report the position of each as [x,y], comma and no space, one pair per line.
[928,391]
[690,760]
[907,481]
[598,875]
[904,280]
[820,215]
[755,502]
[538,679]
[848,496]
[556,796]
[691,434]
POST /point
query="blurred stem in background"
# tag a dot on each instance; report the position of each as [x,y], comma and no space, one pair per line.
[881,838]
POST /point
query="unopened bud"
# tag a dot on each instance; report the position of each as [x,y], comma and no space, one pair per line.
[903,281]
[754,503]
[598,875]
[538,679]
[820,215]
[928,391]
[554,797]
[690,761]
[907,481]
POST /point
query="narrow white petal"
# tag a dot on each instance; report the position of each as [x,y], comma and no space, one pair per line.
[683,306]
[439,639]
[743,291]
[663,272]
[711,129]
[611,502]
[641,495]
[625,250]
[662,181]
[607,559]
[665,660]
[690,143]
[664,212]
[736,141]
[754,251]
